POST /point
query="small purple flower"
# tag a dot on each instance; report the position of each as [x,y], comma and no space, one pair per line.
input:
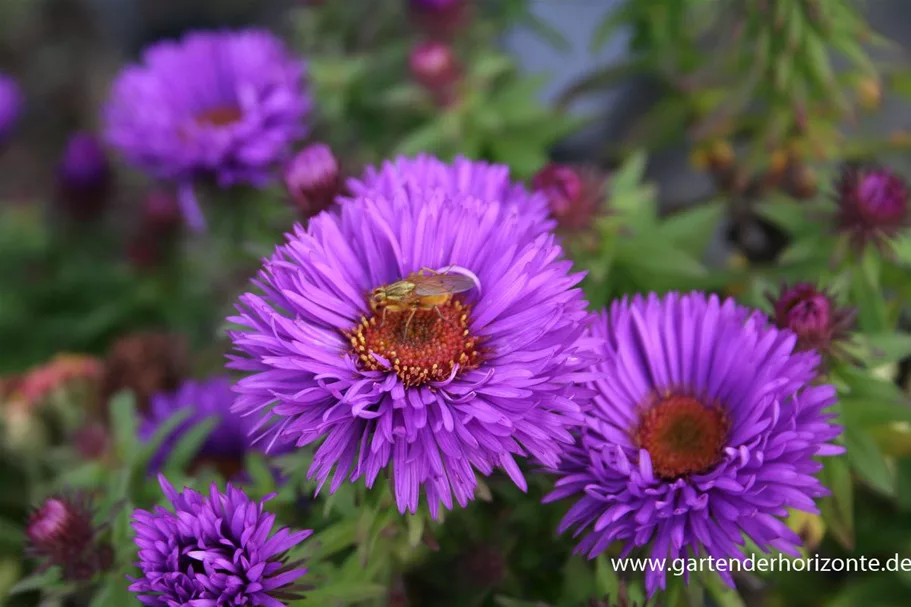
[213,551]
[461,176]
[465,385]
[10,105]
[229,442]
[872,206]
[226,105]
[313,179]
[84,177]
[705,430]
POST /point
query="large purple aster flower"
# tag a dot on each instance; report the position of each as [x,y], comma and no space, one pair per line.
[704,431]
[462,176]
[226,105]
[227,444]
[467,383]
[215,550]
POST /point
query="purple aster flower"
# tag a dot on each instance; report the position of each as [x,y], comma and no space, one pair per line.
[462,176]
[227,105]
[226,446]
[215,550]
[704,430]
[872,205]
[459,384]
[10,104]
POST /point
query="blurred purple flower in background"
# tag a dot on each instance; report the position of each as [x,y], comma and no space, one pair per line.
[480,379]
[705,429]
[222,105]
[230,440]
[10,105]
[213,550]
[84,177]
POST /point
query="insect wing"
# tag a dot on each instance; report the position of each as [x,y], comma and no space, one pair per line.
[441,284]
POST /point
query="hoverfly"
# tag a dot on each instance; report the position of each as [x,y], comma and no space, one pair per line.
[425,289]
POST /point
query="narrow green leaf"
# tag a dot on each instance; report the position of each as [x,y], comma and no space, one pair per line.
[125,426]
[46,579]
[427,138]
[183,453]
[838,508]
[722,594]
[868,461]
[345,593]
[692,229]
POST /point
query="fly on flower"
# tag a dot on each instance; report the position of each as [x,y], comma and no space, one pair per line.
[425,289]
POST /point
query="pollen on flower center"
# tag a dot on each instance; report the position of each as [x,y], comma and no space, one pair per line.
[682,436]
[426,348]
[219,116]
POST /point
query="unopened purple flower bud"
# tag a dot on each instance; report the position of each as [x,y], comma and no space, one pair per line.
[435,67]
[313,179]
[161,213]
[575,195]
[61,532]
[872,205]
[813,316]
[84,177]
[439,18]
[10,105]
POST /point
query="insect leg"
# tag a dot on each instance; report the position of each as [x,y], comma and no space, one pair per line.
[443,318]
[414,311]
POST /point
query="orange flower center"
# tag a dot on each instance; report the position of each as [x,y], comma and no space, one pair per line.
[420,348]
[682,436]
[219,116]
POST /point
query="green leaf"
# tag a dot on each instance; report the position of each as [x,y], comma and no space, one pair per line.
[545,31]
[125,426]
[578,582]
[334,539]
[865,412]
[872,316]
[722,594]
[11,535]
[903,483]
[491,65]
[427,138]
[415,529]
[613,20]
[186,449]
[345,593]
[39,581]
[838,508]
[692,228]
[868,461]
[659,258]
[151,446]
[523,159]
[606,582]
[888,347]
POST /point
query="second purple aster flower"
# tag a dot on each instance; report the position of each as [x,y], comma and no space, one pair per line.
[221,105]
[461,384]
[705,430]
